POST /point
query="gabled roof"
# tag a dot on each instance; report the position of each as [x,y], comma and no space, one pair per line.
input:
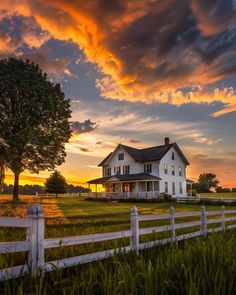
[155,153]
[125,177]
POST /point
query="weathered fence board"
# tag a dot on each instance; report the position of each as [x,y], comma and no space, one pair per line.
[15,222]
[86,258]
[12,247]
[78,240]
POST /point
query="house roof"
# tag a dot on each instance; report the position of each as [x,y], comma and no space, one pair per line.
[148,154]
[125,177]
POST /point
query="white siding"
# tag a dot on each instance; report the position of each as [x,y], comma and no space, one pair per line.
[135,167]
[177,162]
[158,169]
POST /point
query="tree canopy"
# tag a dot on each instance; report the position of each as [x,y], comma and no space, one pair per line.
[34,119]
[56,183]
[206,181]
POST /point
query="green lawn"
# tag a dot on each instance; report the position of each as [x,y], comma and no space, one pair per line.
[68,216]
[218,195]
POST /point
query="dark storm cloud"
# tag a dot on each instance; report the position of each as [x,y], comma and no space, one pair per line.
[146,48]
[83,127]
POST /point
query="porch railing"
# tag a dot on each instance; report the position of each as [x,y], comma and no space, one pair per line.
[126,195]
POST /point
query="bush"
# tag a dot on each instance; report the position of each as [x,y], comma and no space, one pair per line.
[194,193]
[166,197]
[134,200]
[97,199]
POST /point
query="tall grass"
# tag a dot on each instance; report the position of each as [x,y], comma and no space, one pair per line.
[198,266]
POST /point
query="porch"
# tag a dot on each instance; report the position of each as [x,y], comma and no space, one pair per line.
[126,186]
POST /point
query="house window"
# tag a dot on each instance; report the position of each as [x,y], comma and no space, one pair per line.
[107,171]
[117,170]
[180,171]
[173,188]
[126,169]
[180,188]
[166,169]
[148,168]
[166,187]
[173,170]
[121,156]
[173,156]
[150,186]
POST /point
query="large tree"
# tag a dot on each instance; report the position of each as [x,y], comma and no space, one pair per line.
[3,149]
[206,181]
[34,118]
[56,183]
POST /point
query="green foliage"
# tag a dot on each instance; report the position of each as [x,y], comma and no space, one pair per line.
[166,197]
[205,182]
[56,183]
[197,266]
[34,118]
[3,150]
[192,192]
[220,189]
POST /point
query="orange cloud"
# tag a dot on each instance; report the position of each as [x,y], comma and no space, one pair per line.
[147,50]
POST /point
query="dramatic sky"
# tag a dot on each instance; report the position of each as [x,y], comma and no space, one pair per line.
[136,71]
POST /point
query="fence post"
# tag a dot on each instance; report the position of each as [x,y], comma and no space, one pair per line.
[134,241]
[35,235]
[203,221]
[223,218]
[172,223]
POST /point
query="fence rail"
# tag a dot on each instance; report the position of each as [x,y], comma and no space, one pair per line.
[36,244]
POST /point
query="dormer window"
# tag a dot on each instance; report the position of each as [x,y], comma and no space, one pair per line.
[121,156]
[173,156]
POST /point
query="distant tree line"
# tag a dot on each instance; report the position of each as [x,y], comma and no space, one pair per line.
[32,189]
[208,182]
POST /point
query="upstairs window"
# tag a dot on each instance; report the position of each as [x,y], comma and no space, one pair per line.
[148,168]
[166,169]
[173,170]
[107,171]
[173,156]
[180,171]
[117,170]
[126,169]
[121,156]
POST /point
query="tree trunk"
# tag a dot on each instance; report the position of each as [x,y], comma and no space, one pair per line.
[16,187]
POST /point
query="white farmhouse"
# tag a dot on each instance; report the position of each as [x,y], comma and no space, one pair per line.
[143,173]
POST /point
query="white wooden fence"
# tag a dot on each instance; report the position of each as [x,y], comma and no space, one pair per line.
[35,243]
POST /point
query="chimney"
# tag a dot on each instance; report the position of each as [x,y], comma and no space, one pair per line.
[167,140]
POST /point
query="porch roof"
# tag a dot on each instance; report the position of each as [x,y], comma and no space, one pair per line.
[124,177]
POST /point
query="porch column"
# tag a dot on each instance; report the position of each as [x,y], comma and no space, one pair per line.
[137,188]
[89,188]
[96,190]
[153,189]
[146,189]
[191,189]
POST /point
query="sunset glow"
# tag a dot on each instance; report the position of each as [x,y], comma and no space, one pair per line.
[135,71]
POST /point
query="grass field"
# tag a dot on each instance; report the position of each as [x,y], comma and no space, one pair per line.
[218,195]
[68,216]
[198,266]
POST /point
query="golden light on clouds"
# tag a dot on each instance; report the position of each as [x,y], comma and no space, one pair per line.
[136,67]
